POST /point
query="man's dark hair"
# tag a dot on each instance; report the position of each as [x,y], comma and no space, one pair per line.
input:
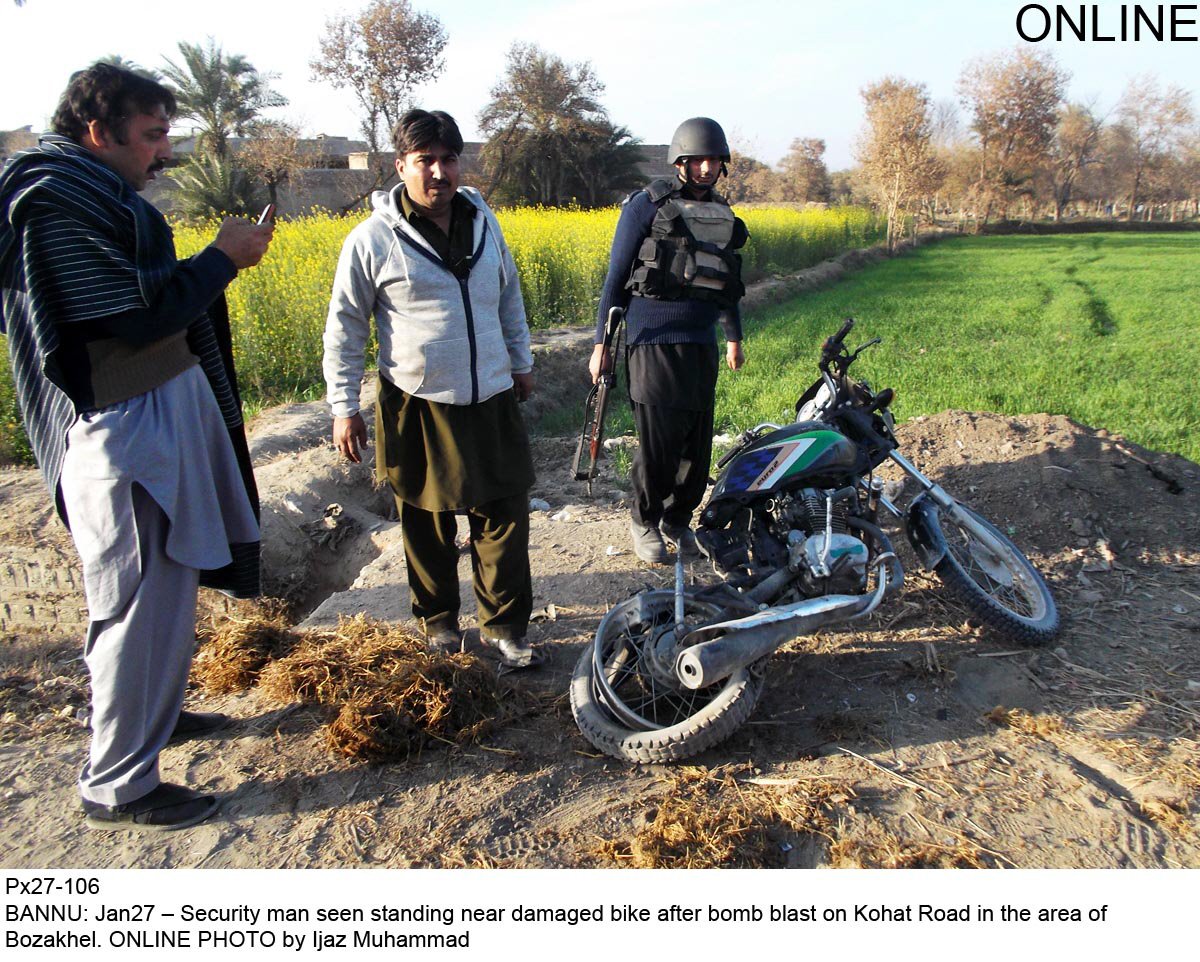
[423,128]
[111,95]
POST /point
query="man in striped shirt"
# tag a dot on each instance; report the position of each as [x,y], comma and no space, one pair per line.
[122,368]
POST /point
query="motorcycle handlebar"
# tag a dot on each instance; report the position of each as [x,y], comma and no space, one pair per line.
[833,345]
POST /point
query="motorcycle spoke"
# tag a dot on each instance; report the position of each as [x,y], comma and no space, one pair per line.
[1010,596]
[638,683]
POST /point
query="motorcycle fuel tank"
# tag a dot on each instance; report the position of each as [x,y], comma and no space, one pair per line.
[798,452]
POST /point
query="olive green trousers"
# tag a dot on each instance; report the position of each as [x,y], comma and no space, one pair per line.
[501,578]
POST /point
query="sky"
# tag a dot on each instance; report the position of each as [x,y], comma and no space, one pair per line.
[768,70]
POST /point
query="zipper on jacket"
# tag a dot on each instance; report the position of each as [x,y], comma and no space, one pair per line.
[466,296]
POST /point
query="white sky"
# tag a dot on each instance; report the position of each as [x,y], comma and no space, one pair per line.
[769,70]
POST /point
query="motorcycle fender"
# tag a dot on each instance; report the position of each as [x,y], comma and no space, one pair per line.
[925,532]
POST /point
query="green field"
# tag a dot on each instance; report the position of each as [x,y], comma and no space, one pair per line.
[1102,328]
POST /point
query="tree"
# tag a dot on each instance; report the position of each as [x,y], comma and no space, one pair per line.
[549,139]
[221,92]
[272,155]
[1153,122]
[896,149]
[1014,99]
[605,162]
[1075,147]
[382,54]
[208,184]
[749,179]
[803,177]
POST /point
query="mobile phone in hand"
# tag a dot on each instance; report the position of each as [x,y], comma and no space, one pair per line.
[268,214]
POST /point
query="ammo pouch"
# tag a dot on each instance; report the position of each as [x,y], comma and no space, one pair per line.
[690,252]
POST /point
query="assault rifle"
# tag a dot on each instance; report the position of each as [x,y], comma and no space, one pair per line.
[587,453]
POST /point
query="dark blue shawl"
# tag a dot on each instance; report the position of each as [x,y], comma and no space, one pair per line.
[118,261]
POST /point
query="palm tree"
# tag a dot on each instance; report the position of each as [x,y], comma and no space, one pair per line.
[221,92]
[211,185]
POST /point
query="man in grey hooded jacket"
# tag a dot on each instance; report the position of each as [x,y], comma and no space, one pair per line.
[431,265]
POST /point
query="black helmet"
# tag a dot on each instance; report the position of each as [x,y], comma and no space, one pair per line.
[698,137]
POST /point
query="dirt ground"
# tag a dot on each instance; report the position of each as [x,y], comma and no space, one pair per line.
[915,738]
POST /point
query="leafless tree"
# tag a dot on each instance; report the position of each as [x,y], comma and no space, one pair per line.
[1076,146]
[272,155]
[803,176]
[749,179]
[382,54]
[1153,123]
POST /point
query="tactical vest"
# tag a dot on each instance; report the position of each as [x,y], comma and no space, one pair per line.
[690,252]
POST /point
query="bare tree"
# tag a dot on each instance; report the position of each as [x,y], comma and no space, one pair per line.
[1154,122]
[803,177]
[1076,147]
[1014,100]
[272,155]
[749,180]
[896,150]
[382,54]
[1190,171]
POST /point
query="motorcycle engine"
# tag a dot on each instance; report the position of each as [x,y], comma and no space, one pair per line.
[790,532]
[826,557]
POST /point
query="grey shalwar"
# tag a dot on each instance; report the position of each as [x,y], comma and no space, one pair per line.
[154,494]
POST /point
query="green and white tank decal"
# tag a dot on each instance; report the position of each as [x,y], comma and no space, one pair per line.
[782,455]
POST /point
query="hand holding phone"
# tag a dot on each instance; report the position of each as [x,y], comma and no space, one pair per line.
[268,214]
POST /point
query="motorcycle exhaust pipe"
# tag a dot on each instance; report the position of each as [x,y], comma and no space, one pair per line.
[706,660]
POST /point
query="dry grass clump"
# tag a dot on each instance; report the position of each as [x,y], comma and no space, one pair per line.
[708,821]
[325,664]
[878,848]
[1042,726]
[236,647]
[1170,814]
[387,694]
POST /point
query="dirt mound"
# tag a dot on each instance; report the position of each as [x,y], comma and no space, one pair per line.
[1062,486]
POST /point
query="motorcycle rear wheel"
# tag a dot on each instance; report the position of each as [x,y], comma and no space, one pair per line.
[1002,587]
[635,710]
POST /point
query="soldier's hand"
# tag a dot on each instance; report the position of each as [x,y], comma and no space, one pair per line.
[601,361]
[243,241]
[523,385]
[350,436]
[733,355]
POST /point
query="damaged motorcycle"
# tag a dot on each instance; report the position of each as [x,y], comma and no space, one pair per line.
[793,527]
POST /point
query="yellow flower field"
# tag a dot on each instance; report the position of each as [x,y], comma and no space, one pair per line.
[278,309]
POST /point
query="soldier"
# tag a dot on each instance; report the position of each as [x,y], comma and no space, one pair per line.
[675,269]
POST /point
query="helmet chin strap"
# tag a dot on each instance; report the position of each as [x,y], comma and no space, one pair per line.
[685,176]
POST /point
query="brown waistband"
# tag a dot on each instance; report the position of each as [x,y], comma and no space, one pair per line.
[121,370]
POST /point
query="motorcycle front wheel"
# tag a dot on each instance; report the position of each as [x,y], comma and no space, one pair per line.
[625,697]
[997,582]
